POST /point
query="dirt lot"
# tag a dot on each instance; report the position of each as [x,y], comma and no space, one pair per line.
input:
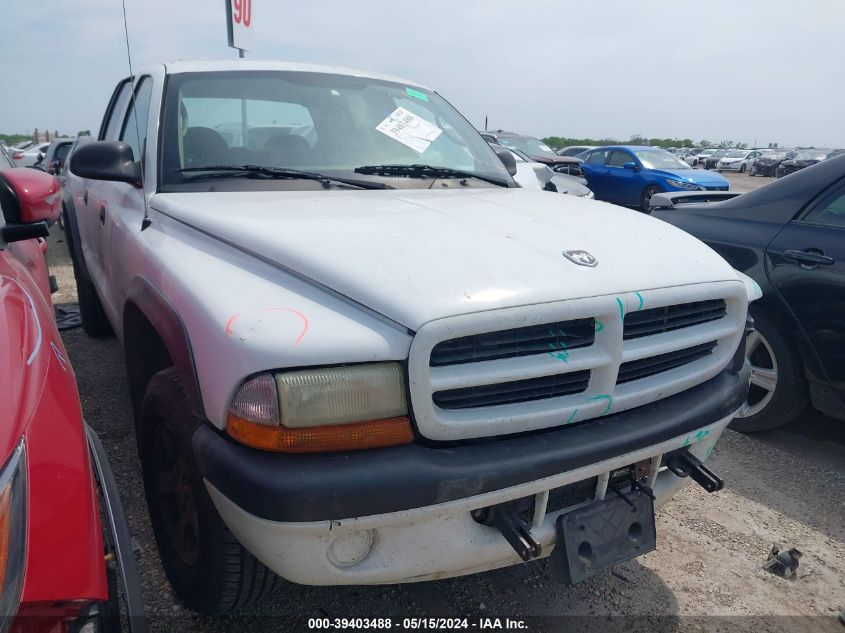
[785,487]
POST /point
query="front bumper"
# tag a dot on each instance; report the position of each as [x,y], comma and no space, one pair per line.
[407,509]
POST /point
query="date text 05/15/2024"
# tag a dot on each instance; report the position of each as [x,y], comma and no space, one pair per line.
[417,624]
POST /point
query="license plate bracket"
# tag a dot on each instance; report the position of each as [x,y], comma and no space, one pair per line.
[603,534]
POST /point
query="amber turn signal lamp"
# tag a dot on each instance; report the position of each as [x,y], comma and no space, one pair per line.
[321,439]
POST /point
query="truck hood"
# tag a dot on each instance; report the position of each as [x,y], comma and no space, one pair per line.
[419,255]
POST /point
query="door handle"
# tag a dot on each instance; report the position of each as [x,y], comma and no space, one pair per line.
[810,258]
[102,214]
[85,196]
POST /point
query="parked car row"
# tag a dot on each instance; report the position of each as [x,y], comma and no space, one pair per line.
[803,159]
[48,156]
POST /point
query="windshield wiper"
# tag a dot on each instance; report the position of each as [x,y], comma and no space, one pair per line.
[278,172]
[424,171]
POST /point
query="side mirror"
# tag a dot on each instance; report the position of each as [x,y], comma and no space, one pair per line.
[31,200]
[631,165]
[107,160]
[507,159]
[544,174]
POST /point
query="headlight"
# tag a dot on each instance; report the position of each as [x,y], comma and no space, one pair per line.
[12,534]
[320,410]
[679,184]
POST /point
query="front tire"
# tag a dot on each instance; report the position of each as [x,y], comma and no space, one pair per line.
[778,392]
[208,568]
[648,192]
[94,320]
[742,168]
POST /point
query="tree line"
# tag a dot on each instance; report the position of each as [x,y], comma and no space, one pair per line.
[637,139]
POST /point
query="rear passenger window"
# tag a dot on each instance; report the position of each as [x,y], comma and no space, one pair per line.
[116,115]
[135,128]
[830,211]
[597,158]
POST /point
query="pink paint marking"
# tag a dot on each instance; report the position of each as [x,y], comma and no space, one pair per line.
[299,338]
[229,323]
[300,315]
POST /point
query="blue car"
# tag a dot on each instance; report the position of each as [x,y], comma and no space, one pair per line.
[630,175]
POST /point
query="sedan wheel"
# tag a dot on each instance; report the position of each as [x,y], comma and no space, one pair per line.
[778,390]
[646,196]
[764,374]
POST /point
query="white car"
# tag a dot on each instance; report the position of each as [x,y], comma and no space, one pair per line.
[372,358]
[533,175]
[574,150]
[739,160]
[29,156]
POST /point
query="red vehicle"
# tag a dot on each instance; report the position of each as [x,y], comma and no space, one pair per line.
[59,565]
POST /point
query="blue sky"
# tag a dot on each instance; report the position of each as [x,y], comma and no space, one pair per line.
[764,70]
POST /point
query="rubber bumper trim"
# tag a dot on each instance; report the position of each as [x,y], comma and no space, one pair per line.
[302,488]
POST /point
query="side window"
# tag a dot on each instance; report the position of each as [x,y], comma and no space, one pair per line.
[831,210]
[115,119]
[135,127]
[618,159]
[597,158]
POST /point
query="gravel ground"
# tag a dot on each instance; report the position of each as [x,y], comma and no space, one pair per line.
[785,487]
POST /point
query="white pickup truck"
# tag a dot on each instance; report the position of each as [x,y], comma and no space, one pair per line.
[358,353]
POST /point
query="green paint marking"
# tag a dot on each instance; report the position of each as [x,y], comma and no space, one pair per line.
[642,301]
[572,417]
[687,442]
[709,451]
[560,354]
[609,402]
[701,435]
[621,308]
[416,94]
[599,326]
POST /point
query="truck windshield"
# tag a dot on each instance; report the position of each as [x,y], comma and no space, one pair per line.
[317,122]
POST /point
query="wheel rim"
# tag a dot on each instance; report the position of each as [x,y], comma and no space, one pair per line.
[176,497]
[764,374]
[648,195]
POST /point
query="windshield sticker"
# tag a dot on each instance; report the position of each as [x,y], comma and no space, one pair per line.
[409,129]
[416,94]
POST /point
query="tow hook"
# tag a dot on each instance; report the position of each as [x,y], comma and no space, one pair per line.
[517,532]
[685,463]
